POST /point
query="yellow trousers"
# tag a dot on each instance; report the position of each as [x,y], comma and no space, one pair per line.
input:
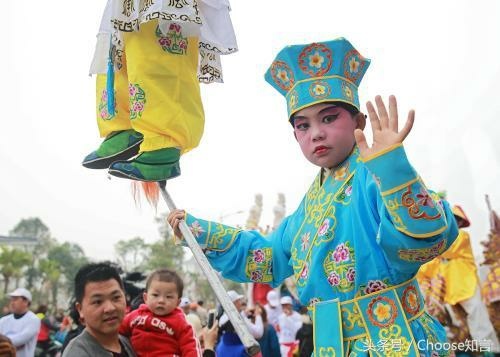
[157,92]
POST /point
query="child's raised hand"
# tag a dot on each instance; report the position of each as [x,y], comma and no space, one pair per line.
[384,127]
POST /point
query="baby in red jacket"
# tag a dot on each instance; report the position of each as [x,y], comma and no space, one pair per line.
[159,327]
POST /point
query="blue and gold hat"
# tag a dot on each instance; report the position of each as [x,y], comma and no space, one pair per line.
[318,72]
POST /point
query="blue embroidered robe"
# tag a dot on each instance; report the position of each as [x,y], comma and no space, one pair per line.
[353,246]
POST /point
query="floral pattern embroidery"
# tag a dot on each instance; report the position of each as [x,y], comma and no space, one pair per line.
[424,199]
[344,193]
[414,206]
[293,99]
[313,301]
[103,106]
[374,285]
[411,300]
[305,241]
[324,228]
[259,265]
[315,60]
[351,274]
[382,311]
[258,256]
[196,229]
[354,65]
[173,42]
[256,275]
[282,75]
[333,279]
[319,89]
[348,91]
[341,253]
[305,272]
[339,267]
[137,99]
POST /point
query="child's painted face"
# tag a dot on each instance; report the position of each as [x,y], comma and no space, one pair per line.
[325,133]
[162,297]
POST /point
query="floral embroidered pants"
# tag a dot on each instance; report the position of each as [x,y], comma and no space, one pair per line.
[157,92]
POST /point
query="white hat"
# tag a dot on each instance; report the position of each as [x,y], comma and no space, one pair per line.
[21,292]
[184,301]
[286,300]
[233,295]
[273,298]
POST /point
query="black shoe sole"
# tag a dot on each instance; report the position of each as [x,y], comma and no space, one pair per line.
[120,174]
[105,162]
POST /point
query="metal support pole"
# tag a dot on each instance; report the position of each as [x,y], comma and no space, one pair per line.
[251,345]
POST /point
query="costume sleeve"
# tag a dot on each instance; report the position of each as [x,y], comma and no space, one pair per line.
[188,342]
[257,328]
[415,224]
[29,330]
[245,256]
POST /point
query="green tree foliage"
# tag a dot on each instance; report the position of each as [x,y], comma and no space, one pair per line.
[132,254]
[51,273]
[70,257]
[13,262]
[48,268]
[164,253]
[34,228]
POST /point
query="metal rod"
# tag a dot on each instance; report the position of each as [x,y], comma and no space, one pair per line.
[251,345]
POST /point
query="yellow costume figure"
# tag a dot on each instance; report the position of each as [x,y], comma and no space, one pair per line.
[150,57]
[452,278]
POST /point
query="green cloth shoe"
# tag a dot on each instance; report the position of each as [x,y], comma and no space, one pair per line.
[150,166]
[119,145]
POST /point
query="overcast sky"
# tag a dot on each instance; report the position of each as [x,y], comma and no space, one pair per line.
[441,58]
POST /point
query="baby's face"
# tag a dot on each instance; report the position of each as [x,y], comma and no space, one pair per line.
[325,133]
[162,297]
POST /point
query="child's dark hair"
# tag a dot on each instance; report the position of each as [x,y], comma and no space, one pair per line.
[95,272]
[166,276]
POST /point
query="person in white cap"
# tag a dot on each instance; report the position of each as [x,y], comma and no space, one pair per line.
[289,323]
[257,328]
[22,325]
[191,317]
[273,307]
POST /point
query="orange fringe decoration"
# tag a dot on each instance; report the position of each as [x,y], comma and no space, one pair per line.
[151,191]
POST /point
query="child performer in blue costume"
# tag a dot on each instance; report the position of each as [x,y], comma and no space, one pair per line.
[363,229]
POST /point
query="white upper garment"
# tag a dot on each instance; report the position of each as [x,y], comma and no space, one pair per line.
[208,20]
[288,326]
[23,332]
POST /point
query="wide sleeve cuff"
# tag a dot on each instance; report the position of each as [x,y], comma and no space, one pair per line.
[391,169]
[211,235]
[413,209]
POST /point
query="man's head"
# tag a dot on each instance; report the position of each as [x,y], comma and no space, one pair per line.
[163,291]
[237,299]
[273,299]
[287,304]
[100,299]
[20,301]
